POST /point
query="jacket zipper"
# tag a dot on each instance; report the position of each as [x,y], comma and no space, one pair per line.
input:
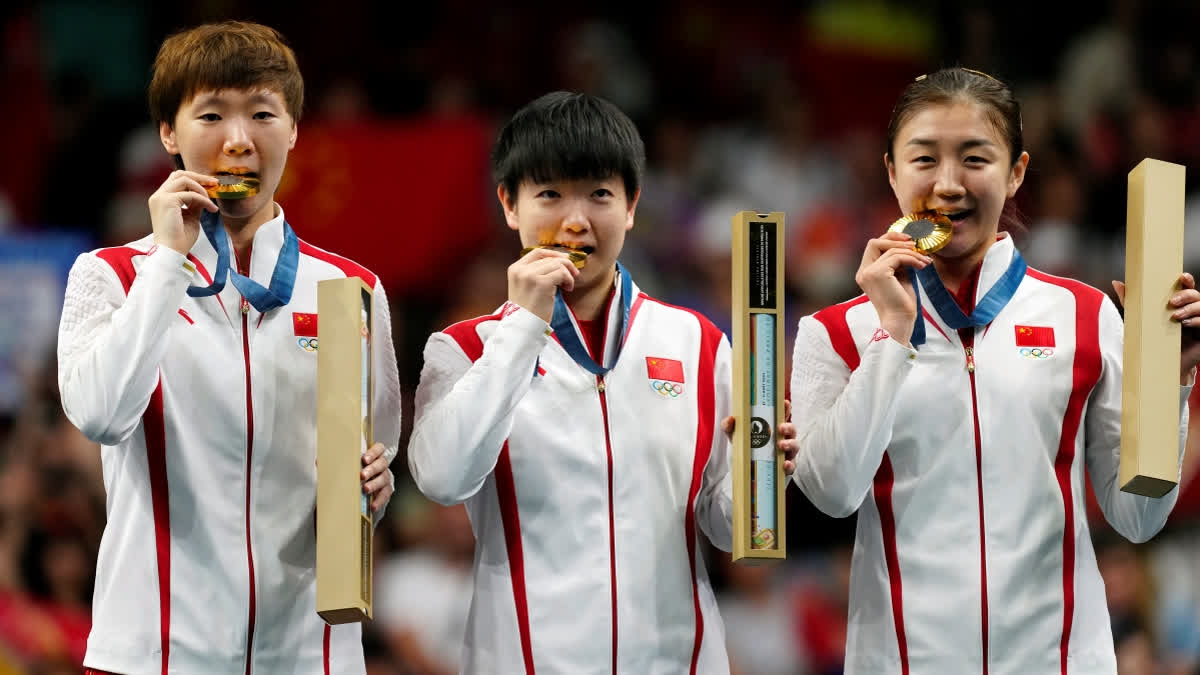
[968,338]
[249,456]
[612,534]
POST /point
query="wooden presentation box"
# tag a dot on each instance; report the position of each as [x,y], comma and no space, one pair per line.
[759,482]
[1150,382]
[344,432]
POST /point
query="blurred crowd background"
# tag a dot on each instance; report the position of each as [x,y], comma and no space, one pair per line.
[767,106]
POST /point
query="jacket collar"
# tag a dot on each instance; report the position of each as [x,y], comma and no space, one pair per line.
[995,263]
[268,242]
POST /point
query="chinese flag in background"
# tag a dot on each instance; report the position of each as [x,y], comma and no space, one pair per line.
[1035,336]
[664,369]
[410,200]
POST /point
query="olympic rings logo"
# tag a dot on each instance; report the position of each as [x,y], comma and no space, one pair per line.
[307,344]
[1037,352]
[665,388]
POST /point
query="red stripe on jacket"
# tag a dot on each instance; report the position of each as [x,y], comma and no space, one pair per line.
[325,649]
[466,334]
[154,428]
[1085,375]
[834,320]
[705,414]
[710,341]
[120,259]
[347,266]
[156,455]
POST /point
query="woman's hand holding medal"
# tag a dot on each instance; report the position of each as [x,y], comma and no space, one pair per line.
[536,276]
[889,287]
[175,209]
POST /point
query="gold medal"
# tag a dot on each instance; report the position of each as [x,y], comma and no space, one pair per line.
[234,187]
[929,230]
[578,258]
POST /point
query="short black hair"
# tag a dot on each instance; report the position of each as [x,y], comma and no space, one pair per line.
[568,136]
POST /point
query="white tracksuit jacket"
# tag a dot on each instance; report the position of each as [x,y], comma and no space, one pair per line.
[973,553]
[205,415]
[586,496]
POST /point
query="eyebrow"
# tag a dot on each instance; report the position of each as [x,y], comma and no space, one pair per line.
[213,98]
[206,99]
[965,145]
[262,97]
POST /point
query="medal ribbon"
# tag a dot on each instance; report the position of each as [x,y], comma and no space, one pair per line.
[283,277]
[987,308]
[568,333]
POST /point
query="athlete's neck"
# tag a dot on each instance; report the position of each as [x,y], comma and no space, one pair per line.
[588,303]
[954,272]
[242,231]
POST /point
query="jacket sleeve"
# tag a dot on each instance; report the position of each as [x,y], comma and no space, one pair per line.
[843,420]
[110,345]
[464,410]
[386,409]
[1135,517]
[714,505]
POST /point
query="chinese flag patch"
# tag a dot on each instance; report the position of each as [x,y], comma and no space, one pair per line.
[305,325]
[664,369]
[1035,336]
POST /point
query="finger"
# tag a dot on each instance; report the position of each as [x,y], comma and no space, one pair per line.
[536,262]
[789,467]
[553,271]
[900,257]
[376,484]
[876,247]
[563,277]
[173,181]
[182,183]
[787,410]
[728,424]
[892,240]
[375,468]
[563,263]
[1187,314]
[188,200]
[374,452]
[1119,287]
[381,498]
[187,183]
[552,266]
[874,269]
[905,251]
[787,430]
[382,489]
[788,447]
[1185,297]
[1187,280]
[880,244]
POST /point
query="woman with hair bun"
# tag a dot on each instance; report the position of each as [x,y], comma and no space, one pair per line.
[956,406]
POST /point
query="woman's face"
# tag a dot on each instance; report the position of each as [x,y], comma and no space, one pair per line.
[951,158]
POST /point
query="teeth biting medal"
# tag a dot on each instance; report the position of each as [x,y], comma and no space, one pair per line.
[233,187]
[929,229]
